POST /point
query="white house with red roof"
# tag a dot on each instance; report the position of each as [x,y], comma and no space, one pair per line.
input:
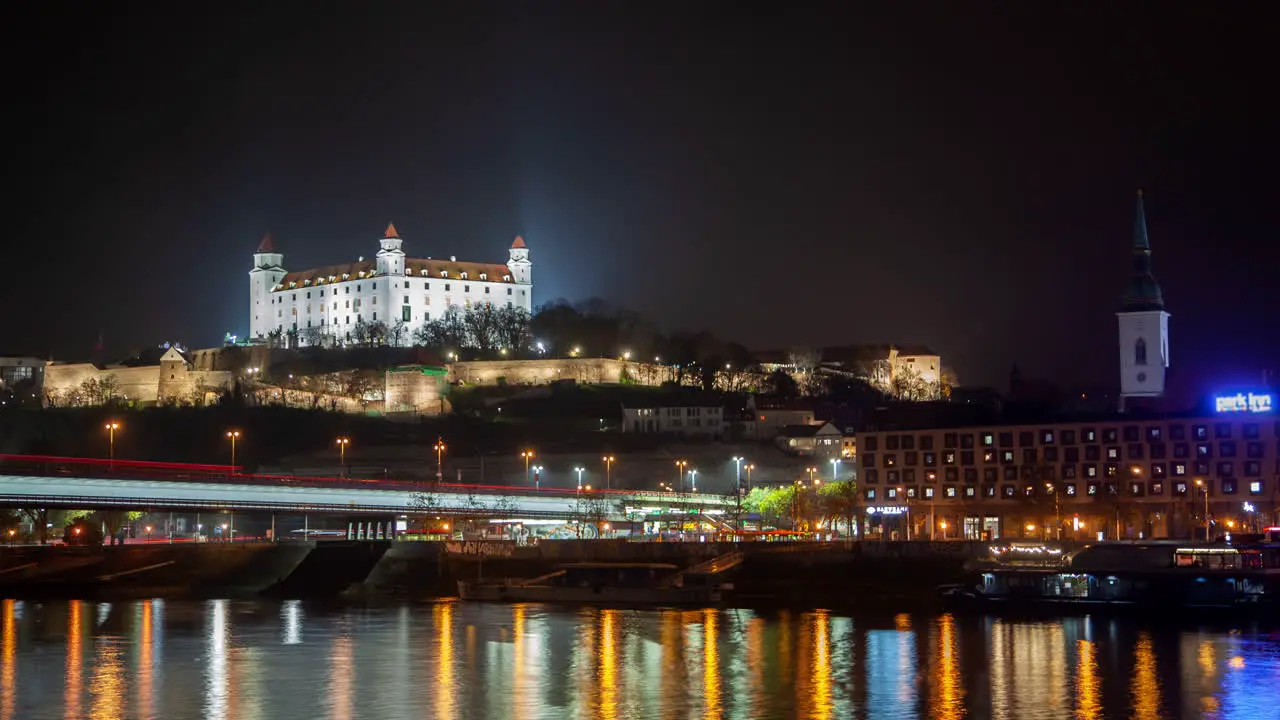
[327,304]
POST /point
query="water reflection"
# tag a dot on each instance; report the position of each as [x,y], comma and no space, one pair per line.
[947,698]
[75,662]
[8,657]
[224,659]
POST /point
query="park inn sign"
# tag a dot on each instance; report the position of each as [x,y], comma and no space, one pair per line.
[1243,402]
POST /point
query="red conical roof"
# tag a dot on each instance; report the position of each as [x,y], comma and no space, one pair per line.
[267,245]
[519,243]
[391,231]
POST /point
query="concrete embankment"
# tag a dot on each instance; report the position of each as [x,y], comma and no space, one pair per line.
[155,570]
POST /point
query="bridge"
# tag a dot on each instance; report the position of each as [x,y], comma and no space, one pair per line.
[65,482]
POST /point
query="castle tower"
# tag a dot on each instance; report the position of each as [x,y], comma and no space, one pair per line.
[521,268]
[1143,323]
[268,270]
[391,256]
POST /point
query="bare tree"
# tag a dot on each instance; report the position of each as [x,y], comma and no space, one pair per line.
[482,324]
[513,329]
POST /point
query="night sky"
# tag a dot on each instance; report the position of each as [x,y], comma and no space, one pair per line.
[923,173]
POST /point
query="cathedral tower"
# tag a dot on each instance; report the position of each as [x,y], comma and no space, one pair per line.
[268,270]
[1144,324]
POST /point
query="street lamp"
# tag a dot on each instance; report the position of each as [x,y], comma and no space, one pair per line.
[1057,510]
[148,533]
[693,477]
[537,477]
[750,467]
[343,442]
[835,469]
[579,471]
[943,526]
[811,471]
[439,448]
[680,465]
[112,427]
[527,455]
[1205,486]
[234,435]
[608,471]
[906,501]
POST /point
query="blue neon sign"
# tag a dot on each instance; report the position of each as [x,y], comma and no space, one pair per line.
[1243,402]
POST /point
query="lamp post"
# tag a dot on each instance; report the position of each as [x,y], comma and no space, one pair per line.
[750,467]
[906,501]
[233,435]
[111,427]
[608,471]
[1057,510]
[343,442]
[737,464]
[527,455]
[835,469]
[537,477]
[811,471]
[1205,486]
[579,471]
[680,465]
[439,448]
[693,478]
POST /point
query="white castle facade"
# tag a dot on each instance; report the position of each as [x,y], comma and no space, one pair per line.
[328,305]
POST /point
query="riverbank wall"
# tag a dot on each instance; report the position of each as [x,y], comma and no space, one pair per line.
[790,574]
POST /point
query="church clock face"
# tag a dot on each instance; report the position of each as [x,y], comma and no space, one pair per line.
[1142,377]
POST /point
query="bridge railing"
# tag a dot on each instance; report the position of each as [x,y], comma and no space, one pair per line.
[97,468]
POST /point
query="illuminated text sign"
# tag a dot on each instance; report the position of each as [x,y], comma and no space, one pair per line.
[1243,402]
[887,510]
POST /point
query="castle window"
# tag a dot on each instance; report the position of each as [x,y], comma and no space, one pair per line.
[462,275]
[484,276]
[508,291]
[506,278]
[486,290]
[1140,352]
[465,288]
[406,284]
[426,286]
[444,273]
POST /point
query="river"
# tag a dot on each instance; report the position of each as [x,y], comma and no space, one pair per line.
[230,659]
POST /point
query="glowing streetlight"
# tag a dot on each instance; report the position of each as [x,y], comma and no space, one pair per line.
[439,448]
[579,470]
[835,469]
[680,465]
[626,355]
[737,464]
[527,455]
[537,477]
[233,435]
[750,467]
[343,442]
[111,428]
[148,533]
[811,471]
[608,471]
[693,477]
[1205,486]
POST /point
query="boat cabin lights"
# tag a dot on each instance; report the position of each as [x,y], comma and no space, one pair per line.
[1025,550]
[1208,551]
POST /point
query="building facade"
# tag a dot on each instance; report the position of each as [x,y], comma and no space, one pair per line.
[1123,478]
[328,305]
[690,419]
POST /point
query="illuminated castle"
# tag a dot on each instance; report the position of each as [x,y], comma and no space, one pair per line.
[330,304]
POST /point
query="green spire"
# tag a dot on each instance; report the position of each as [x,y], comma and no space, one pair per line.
[1143,292]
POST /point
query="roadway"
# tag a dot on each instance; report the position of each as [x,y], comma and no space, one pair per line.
[39,481]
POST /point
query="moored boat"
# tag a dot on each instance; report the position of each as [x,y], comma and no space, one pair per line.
[1152,576]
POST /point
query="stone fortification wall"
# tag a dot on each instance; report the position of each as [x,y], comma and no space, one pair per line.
[63,383]
[543,372]
[417,389]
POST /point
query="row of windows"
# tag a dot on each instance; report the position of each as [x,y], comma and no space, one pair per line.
[1050,436]
[1069,471]
[462,275]
[425,286]
[1153,488]
[1093,453]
